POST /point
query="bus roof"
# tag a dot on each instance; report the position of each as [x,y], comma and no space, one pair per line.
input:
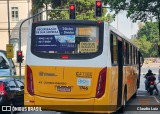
[121,35]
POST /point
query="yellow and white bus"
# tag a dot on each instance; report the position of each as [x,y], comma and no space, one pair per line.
[80,66]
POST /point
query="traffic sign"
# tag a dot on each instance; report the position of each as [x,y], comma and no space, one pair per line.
[9,48]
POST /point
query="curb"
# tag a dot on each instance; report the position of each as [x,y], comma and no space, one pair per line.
[145,73]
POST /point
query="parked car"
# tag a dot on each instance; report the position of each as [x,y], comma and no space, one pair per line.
[11,91]
[5,66]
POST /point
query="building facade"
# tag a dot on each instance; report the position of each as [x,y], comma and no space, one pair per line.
[18,11]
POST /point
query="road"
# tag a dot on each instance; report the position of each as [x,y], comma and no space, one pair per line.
[134,106]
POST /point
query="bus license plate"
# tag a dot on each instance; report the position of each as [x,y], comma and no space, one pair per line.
[63,89]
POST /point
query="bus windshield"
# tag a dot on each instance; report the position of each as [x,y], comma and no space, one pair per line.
[66,39]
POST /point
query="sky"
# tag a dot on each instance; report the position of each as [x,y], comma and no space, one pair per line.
[125,25]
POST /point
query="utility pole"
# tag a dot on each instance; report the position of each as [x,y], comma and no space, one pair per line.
[8,21]
[9,35]
[159,34]
[159,25]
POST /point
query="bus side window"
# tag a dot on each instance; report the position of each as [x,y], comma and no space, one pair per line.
[113,44]
[130,54]
[133,55]
[124,52]
[127,53]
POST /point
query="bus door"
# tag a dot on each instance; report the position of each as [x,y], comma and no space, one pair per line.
[120,71]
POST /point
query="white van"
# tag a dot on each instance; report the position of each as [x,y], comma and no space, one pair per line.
[5,66]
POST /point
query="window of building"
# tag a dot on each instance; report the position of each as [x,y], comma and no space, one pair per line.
[14,11]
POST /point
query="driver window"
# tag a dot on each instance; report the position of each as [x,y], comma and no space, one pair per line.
[3,62]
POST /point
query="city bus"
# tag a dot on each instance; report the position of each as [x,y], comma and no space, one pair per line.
[80,66]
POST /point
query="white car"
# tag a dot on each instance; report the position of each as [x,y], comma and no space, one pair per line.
[5,67]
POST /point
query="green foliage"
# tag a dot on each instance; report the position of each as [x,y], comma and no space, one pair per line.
[147,39]
[136,9]
[150,30]
[37,4]
[85,9]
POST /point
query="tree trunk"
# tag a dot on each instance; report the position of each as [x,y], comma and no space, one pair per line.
[46,11]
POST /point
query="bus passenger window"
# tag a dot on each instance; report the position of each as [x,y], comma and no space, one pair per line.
[136,57]
[114,49]
[127,53]
[133,57]
[124,52]
[130,54]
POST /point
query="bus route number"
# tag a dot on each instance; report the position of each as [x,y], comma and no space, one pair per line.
[83,87]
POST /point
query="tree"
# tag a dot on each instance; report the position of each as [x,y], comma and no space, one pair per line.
[38,4]
[142,10]
[150,30]
[144,45]
[140,25]
[84,9]
[137,9]
[147,39]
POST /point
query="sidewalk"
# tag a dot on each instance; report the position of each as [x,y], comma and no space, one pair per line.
[153,65]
